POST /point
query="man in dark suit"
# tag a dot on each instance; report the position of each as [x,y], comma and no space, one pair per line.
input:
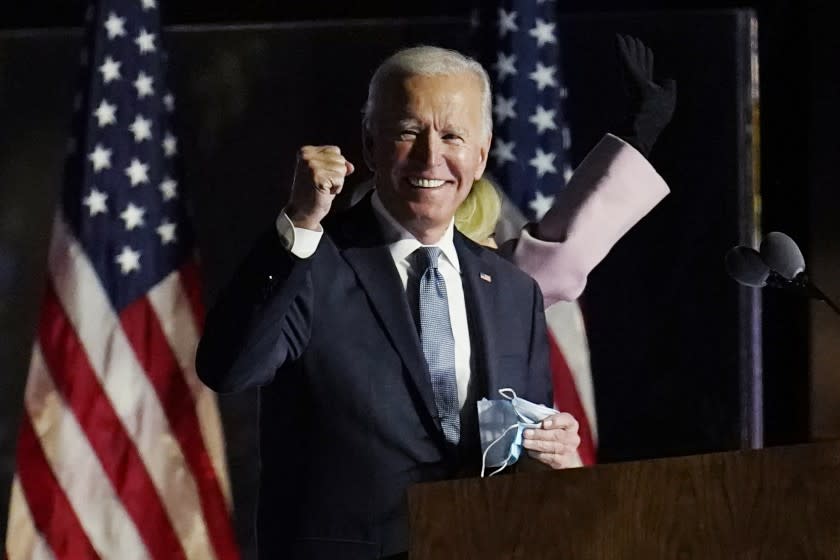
[374,332]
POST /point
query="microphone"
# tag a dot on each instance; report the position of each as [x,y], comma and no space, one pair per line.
[779,264]
[782,254]
[746,267]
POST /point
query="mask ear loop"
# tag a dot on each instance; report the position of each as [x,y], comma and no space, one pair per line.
[508,393]
[492,443]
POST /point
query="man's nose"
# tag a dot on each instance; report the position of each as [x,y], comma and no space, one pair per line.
[427,149]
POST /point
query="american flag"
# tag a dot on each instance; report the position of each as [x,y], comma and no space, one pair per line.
[120,453]
[529,157]
[530,161]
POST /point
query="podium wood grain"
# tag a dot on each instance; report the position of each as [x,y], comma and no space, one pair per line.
[778,503]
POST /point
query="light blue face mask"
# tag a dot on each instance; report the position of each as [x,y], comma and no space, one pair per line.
[500,425]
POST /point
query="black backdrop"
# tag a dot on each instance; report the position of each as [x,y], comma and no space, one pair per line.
[662,317]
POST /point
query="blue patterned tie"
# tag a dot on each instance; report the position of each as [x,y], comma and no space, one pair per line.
[438,341]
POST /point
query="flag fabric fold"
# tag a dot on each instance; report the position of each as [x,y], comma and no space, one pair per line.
[530,161]
[121,453]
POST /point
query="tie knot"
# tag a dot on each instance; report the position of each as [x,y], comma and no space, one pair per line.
[427,257]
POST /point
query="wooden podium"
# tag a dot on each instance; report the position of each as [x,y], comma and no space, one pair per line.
[779,502]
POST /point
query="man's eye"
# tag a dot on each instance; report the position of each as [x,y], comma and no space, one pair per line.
[408,133]
[452,137]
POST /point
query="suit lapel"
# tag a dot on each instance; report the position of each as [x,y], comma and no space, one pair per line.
[371,260]
[477,273]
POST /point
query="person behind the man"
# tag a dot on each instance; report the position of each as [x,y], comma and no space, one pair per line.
[613,188]
[373,332]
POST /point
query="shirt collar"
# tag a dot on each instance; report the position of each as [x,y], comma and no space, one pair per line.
[402,243]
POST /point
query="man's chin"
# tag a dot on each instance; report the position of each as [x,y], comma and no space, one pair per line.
[422,208]
[428,218]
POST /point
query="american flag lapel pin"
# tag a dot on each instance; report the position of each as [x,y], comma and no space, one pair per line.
[486,277]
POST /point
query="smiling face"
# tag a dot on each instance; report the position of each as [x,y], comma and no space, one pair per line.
[427,146]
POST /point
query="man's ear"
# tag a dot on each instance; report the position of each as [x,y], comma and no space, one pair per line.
[484,154]
[367,148]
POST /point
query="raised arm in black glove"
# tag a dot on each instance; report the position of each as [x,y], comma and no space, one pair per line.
[651,104]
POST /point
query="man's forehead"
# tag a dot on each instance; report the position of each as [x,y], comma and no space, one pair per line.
[399,85]
[457,92]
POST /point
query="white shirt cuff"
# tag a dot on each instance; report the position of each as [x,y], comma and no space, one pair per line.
[301,242]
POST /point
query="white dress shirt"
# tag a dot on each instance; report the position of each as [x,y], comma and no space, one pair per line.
[303,243]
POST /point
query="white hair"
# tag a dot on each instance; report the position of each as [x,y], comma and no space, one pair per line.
[426,61]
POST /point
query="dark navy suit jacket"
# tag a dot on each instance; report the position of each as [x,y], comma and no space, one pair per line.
[347,408]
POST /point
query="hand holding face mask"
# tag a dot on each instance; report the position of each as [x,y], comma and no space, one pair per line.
[556,443]
[507,426]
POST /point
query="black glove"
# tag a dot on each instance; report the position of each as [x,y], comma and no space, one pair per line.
[651,104]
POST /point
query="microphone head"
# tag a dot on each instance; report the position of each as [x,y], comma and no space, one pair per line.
[745,266]
[782,255]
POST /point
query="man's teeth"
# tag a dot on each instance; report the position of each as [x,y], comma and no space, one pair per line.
[426,183]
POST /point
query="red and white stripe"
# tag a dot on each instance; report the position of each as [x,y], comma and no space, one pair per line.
[20,524]
[572,375]
[121,452]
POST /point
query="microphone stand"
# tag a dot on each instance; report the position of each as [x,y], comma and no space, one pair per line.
[818,294]
[802,284]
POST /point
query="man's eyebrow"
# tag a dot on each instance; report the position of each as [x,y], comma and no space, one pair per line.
[407,121]
[459,130]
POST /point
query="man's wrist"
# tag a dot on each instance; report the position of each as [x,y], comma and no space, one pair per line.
[301,242]
[303,219]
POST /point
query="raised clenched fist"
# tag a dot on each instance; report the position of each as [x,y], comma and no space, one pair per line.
[319,177]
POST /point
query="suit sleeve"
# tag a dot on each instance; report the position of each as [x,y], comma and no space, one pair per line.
[540,382]
[261,320]
[611,190]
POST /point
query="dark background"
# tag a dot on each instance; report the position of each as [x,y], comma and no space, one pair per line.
[798,53]
[646,413]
